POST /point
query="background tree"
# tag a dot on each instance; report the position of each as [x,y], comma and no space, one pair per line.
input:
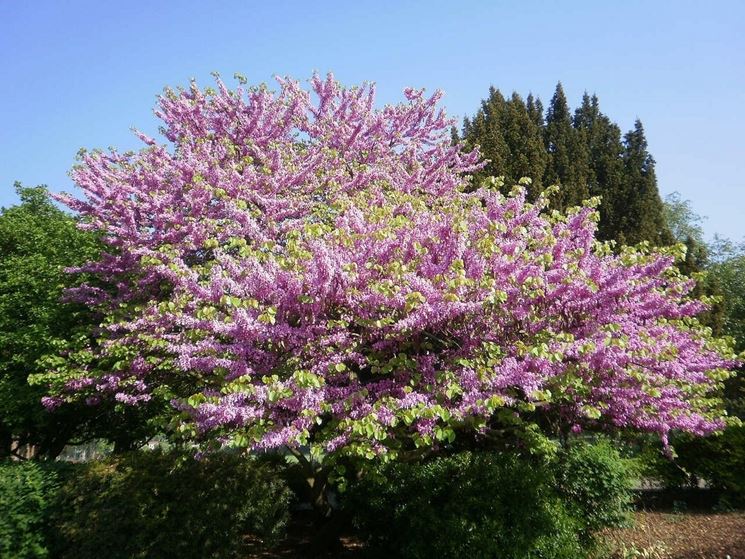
[585,154]
[644,218]
[606,175]
[569,159]
[38,241]
[509,132]
[685,227]
[485,130]
[719,266]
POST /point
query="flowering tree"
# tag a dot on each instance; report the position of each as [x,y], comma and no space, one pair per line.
[301,268]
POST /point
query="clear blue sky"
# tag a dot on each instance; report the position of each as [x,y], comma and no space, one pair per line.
[80,74]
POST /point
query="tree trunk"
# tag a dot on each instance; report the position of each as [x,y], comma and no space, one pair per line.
[6,442]
[328,522]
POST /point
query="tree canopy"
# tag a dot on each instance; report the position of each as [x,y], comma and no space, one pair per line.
[37,242]
[303,268]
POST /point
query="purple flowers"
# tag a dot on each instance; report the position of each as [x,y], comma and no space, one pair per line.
[324,274]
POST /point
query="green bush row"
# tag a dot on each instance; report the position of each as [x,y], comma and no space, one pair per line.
[154,504]
[143,504]
[489,505]
[718,460]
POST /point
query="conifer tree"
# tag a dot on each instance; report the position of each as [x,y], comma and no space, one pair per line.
[606,176]
[644,218]
[535,110]
[528,157]
[510,138]
[485,130]
[585,154]
[568,164]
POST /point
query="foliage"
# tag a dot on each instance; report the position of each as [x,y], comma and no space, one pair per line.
[596,482]
[301,268]
[719,460]
[154,504]
[728,267]
[37,242]
[481,505]
[569,161]
[27,501]
[606,175]
[682,219]
[643,216]
[585,154]
[507,133]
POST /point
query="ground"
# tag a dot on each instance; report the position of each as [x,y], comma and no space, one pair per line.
[654,535]
[689,535]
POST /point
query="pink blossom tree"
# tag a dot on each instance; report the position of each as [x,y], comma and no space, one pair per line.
[303,269]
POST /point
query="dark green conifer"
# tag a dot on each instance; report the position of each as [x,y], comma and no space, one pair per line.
[509,138]
[569,160]
[535,110]
[606,176]
[485,131]
[643,217]
[584,154]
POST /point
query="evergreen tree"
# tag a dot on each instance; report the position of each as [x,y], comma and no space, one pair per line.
[584,154]
[485,130]
[569,160]
[535,110]
[606,176]
[510,138]
[644,217]
[524,138]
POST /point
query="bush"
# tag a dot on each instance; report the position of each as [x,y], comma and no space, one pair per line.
[719,460]
[467,505]
[169,505]
[596,484]
[27,499]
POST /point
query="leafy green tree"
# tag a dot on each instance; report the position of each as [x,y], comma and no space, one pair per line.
[728,267]
[720,269]
[682,219]
[38,241]
[685,226]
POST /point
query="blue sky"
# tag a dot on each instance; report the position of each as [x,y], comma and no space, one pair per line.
[80,74]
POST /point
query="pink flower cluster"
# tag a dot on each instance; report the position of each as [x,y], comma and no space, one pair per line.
[301,267]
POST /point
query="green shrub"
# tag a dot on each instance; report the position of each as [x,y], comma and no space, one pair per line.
[482,505]
[719,460]
[27,498]
[169,505]
[596,484]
